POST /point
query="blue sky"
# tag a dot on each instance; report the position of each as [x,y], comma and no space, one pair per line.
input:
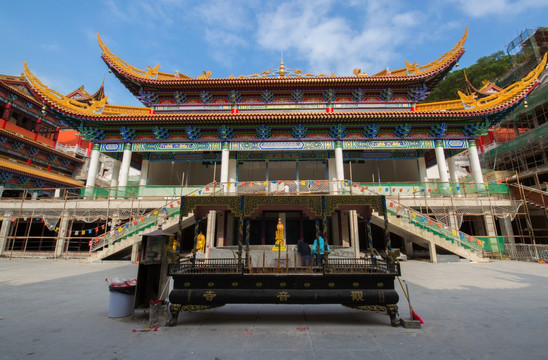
[58,38]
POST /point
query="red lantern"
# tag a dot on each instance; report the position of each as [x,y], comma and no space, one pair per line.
[391,204]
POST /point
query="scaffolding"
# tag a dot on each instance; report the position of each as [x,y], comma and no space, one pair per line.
[525,52]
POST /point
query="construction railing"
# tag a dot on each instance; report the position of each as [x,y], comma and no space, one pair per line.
[526,252]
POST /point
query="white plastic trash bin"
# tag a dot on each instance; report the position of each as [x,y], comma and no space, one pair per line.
[120,301]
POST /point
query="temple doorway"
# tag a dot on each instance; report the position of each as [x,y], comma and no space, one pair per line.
[296,225]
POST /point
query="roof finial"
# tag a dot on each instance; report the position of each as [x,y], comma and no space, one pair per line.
[282,67]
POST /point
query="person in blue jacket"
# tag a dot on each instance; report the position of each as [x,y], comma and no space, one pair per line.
[319,248]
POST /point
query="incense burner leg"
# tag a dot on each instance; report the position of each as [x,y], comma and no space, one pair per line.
[175,309]
[392,311]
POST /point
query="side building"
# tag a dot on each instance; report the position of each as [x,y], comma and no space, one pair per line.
[519,147]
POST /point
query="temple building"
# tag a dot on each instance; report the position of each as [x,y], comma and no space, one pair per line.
[286,131]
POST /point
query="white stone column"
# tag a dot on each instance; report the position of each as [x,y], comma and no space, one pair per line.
[440,158]
[1,190]
[339,165]
[506,229]
[490,227]
[4,233]
[345,235]
[354,233]
[433,253]
[331,168]
[474,162]
[143,180]
[124,167]
[408,247]
[453,170]
[57,193]
[64,231]
[421,162]
[93,166]
[115,173]
[210,231]
[225,157]
[34,195]
[232,164]
[135,251]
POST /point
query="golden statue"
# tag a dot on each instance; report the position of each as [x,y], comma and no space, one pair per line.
[279,245]
[200,243]
[172,250]
[173,244]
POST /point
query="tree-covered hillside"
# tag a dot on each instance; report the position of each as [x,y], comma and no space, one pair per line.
[486,68]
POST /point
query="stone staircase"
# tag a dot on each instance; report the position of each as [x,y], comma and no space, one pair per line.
[403,227]
[169,225]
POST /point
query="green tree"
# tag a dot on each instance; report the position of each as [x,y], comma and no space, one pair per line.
[486,68]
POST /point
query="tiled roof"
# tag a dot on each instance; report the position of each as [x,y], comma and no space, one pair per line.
[33,172]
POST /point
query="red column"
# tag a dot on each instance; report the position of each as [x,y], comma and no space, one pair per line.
[55,137]
[90,147]
[37,129]
[6,115]
[480,140]
[29,161]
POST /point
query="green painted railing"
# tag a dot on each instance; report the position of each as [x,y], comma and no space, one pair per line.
[136,225]
[431,189]
[139,191]
[492,243]
[421,221]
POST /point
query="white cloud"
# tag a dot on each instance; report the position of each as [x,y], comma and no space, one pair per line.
[509,8]
[331,43]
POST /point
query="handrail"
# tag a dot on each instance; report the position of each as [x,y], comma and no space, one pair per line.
[528,188]
[423,221]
